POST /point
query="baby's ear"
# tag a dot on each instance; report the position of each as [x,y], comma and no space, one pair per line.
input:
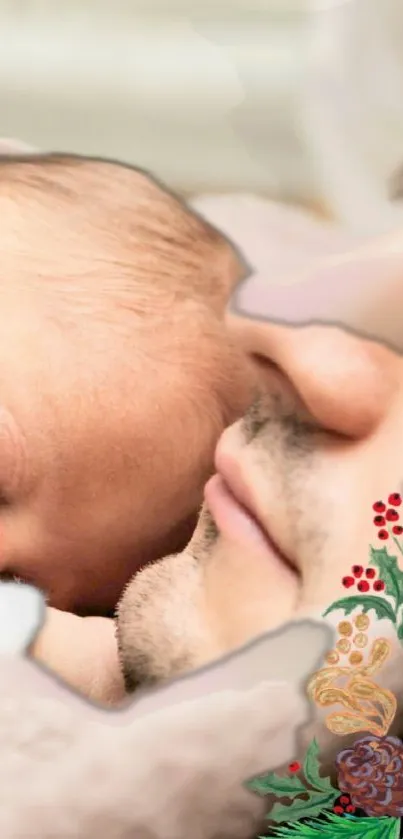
[8,147]
[22,612]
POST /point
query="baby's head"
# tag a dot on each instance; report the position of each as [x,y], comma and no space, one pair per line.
[116,375]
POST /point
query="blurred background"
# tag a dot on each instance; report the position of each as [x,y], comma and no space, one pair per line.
[296,100]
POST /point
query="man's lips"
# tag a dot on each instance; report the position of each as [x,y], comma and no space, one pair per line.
[231,517]
[238,523]
[232,504]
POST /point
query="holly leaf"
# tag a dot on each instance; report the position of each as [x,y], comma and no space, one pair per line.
[311,771]
[290,786]
[389,572]
[381,606]
[271,784]
[400,632]
[314,805]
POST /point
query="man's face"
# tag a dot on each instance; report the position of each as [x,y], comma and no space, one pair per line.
[289,511]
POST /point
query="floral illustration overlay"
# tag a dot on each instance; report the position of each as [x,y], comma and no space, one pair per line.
[368,799]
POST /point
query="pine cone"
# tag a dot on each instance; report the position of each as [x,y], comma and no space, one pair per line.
[371,772]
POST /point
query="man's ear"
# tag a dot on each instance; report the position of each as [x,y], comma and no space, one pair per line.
[8,147]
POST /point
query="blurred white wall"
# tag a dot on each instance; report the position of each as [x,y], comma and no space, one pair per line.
[352,109]
[203,93]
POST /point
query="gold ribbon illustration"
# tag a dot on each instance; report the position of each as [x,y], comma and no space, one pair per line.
[369,707]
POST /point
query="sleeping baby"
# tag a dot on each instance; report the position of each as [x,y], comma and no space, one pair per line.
[117,377]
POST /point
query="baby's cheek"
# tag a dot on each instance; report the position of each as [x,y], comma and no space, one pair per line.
[197,386]
[229,377]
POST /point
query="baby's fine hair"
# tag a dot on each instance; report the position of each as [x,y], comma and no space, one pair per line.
[70,219]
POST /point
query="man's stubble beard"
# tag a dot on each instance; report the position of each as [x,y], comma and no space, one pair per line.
[163,627]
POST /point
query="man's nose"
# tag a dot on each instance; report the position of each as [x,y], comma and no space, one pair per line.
[346,382]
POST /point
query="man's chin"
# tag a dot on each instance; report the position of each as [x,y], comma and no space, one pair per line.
[169,623]
[161,632]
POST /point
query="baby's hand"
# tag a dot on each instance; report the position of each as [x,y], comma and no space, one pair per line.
[83,652]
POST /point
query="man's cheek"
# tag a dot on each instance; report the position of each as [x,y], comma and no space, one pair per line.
[246,594]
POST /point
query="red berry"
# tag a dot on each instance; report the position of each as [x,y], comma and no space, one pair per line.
[370,573]
[363,586]
[397,529]
[383,534]
[345,799]
[357,570]
[294,767]
[379,521]
[350,808]
[348,582]
[392,515]
[379,507]
[379,585]
[338,810]
[395,499]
